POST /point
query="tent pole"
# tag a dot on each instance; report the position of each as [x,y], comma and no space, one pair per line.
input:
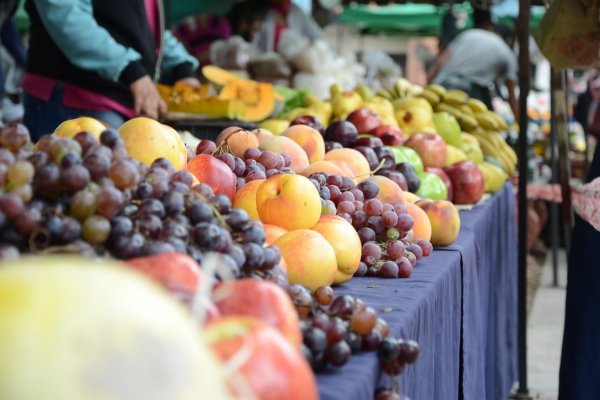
[554,228]
[524,82]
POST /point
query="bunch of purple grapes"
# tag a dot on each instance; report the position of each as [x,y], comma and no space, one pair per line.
[255,163]
[87,196]
[335,327]
[382,228]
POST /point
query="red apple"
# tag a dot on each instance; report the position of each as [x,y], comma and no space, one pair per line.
[215,173]
[445,178]
[389,135]
[309,120]
[364,119]
[271,368]
[430,147]
[263,300]
[467,182]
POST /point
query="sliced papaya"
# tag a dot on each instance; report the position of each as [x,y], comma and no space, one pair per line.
[258,98]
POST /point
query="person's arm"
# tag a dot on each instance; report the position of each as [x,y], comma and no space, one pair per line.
[309,27]
[176,60]
[72,27]
[512,98]
[440,61]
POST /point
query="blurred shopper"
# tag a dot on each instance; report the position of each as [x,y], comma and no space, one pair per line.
[12,63]
[475,60]
[100,59]
[283,14]
[199,32]
[580,359]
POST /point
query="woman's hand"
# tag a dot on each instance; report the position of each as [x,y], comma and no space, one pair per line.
[146,99]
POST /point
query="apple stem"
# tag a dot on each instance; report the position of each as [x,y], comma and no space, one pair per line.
[377,169]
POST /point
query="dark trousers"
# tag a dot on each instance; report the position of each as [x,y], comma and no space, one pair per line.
[580,360]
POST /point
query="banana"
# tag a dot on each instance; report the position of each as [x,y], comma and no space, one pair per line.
[364,91]
[455,97]
[429,95]
[477,106]
[486,122]
[437,89]
[384,93]
[403,87]
[466,109]
[467,122]
[493,145]
[499,120]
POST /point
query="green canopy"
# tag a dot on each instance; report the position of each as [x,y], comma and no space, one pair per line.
[411,18]
[179,9]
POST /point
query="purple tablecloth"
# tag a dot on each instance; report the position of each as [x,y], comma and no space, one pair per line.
[473,282]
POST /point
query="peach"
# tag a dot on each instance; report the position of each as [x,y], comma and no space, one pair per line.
[264,300]
[72,127]
[342,236]
[282,144]
[355,161]
[389,191]
[238,140]
[309,139]
[289,201]
[411,197]
[324,166]
[270,367]
[422,226]
[146,140]
[245,198]
[309,258]
[262,135]
[273,233]
[445,221]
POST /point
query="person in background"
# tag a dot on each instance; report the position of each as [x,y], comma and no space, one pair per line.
[475,60]
[283,14]
[12,63]
[100,59]
[199,32]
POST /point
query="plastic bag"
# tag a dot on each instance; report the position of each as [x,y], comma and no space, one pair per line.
[569,34]
[233,53]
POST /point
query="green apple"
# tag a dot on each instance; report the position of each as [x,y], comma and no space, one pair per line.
[403,154]
[432,187]
[448,128]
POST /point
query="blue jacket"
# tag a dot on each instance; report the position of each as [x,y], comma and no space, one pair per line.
[102,45]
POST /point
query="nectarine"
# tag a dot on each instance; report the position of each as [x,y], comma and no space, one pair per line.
[310,259]
[238,140]
[355,161]
[282,144]
[389,191]
[289,201]
[422,226]
[273,232]
[309,139]
[444,219]
[345,242]
[245,198]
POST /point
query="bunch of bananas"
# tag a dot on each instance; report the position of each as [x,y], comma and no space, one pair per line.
[474,117]
[400,89]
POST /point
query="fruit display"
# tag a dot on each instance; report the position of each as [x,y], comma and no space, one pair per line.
[170,214]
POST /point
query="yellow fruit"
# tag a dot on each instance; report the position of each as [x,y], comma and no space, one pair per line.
[455,97]
[146,140]
[276,126]
[73,328]
[429,95]
[72,127]
[476,105]
[486,121]
[453,155]
[437,89]
[493,177]
[412,103]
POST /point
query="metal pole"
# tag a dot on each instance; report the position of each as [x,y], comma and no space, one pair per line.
[524,82]
[554,85]
[564,166]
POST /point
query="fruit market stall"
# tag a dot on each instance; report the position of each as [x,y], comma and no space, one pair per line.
[472,281]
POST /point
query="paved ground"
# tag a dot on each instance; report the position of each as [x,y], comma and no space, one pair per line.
[545,329]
